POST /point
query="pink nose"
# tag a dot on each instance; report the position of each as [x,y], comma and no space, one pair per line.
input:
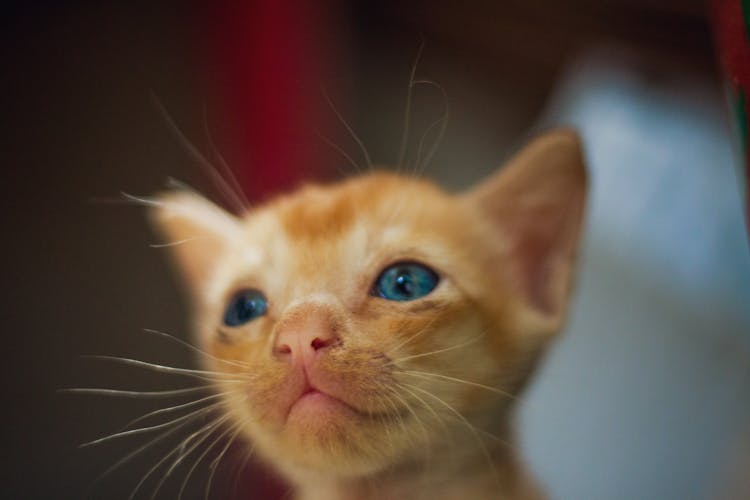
[302,337]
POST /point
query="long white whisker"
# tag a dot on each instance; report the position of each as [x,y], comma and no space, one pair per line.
[136,394]
[228,172]
[340,151]
[215,464]
[194,348]
[424,403]
[469,425]
[200,436]
[413,413]
[143,430]
[142,200]
[201,457]
[407,112]
[443,121]
[141,449]
[428,465]
[429,375]
[412,337]
[174,243]
[198,157]
[241,467]
[171,409]
[431,353]
[176,449]
[347,127]
[396,413]
[427,441]
[201,374]
[180,185]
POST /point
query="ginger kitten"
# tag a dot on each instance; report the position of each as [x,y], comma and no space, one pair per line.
[373,335]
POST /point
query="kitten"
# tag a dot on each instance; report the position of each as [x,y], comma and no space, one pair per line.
[373,335]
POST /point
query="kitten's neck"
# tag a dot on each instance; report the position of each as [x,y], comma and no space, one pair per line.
[495,474]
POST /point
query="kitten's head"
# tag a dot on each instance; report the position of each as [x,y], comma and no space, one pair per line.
[364,323]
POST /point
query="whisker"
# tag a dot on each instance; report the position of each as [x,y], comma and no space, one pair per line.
[179,185]
[428,465]
[141,449]
[194,348]
[424,403]
[122,200]
[340,151]
[206,432]
[431,353]
[469,425]
[396,413]
[201,457]
[136,394]
[215,464]
[346,126]
[443,121]
[412,337]
[409,408]
[407,112]
[174,243]
[201,374]
[174,450]
[198,157]
[143,430]
[461,381]
[386,419]
[228,172]
[241,468]
[427,442]
[171,409]
[142,200]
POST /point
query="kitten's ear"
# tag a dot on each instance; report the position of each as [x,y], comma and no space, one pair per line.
[535,205]
[196,231]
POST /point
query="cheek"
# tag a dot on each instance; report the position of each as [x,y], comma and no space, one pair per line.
[255,386]
[403,333]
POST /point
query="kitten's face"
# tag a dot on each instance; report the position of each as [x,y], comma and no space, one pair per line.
[347,317]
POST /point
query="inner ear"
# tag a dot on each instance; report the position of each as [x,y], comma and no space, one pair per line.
[196,231]
[535,205]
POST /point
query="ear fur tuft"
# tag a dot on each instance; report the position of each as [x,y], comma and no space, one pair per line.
[196,231]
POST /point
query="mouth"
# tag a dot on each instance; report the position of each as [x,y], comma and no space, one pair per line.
[316,404]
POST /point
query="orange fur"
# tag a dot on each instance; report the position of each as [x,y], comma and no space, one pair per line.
[424,388]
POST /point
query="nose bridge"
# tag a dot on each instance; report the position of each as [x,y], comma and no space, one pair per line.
[305,330]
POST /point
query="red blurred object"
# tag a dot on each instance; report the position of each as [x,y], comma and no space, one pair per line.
[268,60]
[731,20]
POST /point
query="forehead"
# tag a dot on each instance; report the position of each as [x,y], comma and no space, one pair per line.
[316,229]
[378,201]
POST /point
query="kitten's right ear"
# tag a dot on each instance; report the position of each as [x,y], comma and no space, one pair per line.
[535,205]
[196,231]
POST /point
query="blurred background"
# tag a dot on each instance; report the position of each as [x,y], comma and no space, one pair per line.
[647,395]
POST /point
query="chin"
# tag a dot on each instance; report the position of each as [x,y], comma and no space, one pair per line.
[320,435]
[339,443]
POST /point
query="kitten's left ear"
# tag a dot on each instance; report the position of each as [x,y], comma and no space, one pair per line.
[535,204]
[196,231]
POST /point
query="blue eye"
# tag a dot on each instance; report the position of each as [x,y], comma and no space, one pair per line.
[244,306]
[405,281]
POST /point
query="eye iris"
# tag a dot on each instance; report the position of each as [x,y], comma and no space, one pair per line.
[245,306]
[405,282]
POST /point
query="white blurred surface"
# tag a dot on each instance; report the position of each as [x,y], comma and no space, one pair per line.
[648,391]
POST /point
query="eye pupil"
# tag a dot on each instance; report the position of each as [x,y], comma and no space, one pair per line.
[246,309]
[403,282]
[245,306]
